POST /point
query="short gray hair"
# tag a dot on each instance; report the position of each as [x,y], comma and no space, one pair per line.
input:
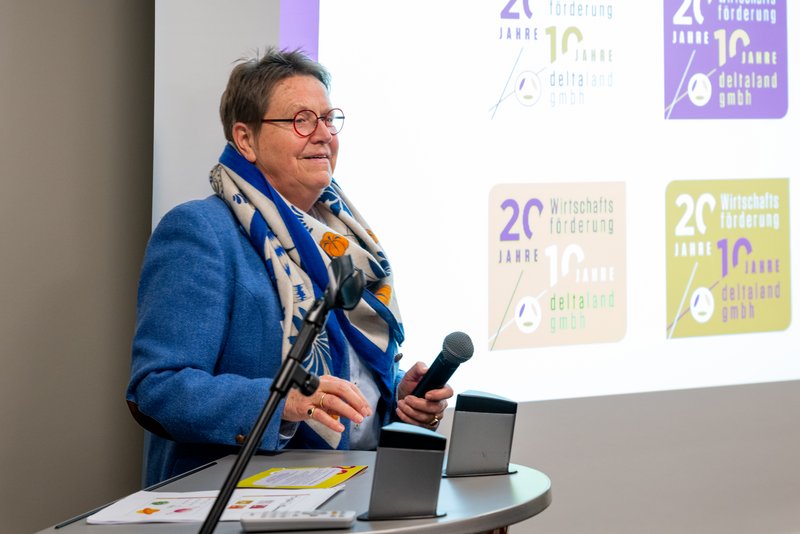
[250,85]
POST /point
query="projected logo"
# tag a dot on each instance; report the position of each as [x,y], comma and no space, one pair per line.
[724,59]
[727,257]
[552,53]
[556,264]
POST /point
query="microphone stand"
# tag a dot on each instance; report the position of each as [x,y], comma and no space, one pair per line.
[344,291]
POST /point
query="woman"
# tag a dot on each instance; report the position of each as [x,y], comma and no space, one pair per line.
[226,281]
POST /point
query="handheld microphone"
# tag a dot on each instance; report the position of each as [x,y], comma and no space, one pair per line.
[456,349]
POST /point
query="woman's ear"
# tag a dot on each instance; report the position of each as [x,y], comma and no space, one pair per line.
[245,140]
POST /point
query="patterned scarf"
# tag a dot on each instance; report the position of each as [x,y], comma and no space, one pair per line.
[296,249]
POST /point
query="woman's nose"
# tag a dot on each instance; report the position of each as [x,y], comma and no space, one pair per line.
[321,132]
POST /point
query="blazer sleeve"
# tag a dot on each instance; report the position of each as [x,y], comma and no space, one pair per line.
[185,308]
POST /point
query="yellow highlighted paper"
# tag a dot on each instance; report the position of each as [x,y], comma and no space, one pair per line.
[302,477]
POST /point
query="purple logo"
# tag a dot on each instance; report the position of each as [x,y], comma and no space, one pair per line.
[510,11]
[725,59]
[509,232]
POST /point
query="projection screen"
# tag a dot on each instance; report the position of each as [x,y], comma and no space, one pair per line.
[599,193]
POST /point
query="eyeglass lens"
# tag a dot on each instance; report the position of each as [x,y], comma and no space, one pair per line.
[305,122]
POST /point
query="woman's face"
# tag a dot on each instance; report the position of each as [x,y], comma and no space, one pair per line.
[298,167]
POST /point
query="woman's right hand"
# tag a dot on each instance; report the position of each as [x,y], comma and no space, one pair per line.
[334,398]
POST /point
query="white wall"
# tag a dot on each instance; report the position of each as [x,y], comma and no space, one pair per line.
[196,48]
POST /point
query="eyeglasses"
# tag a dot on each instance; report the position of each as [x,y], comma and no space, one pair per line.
[305,121]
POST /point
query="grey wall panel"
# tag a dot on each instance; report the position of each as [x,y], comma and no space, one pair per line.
[76,101]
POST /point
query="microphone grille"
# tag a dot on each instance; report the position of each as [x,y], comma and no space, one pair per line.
[457,347]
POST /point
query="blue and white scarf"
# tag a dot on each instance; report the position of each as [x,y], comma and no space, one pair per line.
[297,249]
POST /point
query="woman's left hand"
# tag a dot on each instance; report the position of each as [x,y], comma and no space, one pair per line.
[427,412]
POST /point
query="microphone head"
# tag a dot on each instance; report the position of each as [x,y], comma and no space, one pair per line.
[457,348]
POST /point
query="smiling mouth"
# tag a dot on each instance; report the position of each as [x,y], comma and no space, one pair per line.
[316,157]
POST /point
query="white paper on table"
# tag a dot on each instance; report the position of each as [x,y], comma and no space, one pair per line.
[194,506]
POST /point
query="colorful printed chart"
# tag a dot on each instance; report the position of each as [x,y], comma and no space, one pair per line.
[728,263]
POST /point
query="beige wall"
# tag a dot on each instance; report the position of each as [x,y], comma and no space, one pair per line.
[76,86]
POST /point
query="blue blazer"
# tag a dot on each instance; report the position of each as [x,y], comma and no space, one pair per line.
[207,342]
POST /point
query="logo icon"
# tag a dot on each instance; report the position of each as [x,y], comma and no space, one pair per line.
[528,315]
[700,89]
[528,88]
[702,305]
